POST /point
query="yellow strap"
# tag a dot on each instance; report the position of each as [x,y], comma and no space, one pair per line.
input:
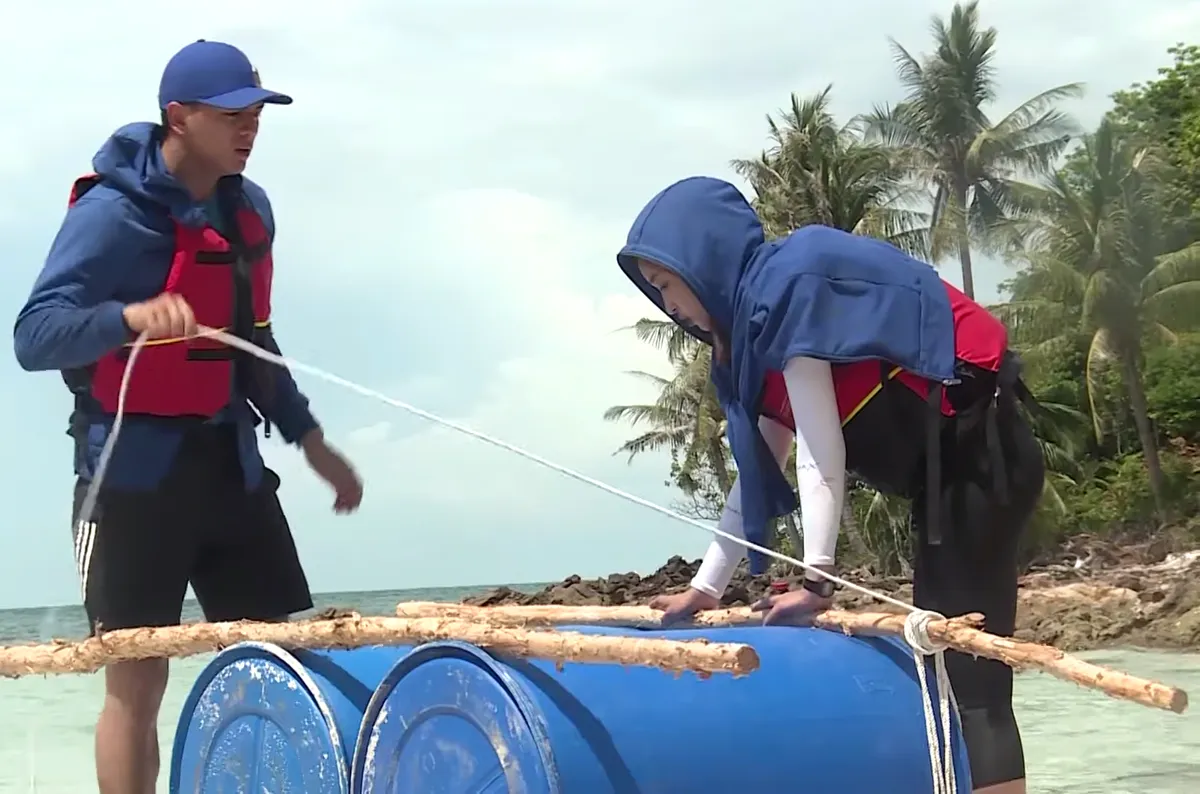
[174,339]
[870,395]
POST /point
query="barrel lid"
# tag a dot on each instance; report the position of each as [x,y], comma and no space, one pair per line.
[449,718]
[256,721]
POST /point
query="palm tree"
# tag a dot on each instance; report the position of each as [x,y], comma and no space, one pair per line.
[668,336]
[685,418]
[1095,266]
[947,143]
[818,172]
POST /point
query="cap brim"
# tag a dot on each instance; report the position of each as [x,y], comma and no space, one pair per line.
[246,97]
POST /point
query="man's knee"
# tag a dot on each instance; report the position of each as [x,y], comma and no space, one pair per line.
[136,688]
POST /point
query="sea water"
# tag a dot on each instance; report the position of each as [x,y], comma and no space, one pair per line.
[1077,741]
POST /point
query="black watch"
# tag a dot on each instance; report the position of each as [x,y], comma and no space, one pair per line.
[822,587]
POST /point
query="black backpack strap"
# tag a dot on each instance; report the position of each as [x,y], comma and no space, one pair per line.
[1009,386]
[933,465]
[229,200]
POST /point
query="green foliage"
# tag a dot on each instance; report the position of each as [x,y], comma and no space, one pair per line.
[1173,389]
[1104,305]
[1165,114]
[879,537]
[1117,500]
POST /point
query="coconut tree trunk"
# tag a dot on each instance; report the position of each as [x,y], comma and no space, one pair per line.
[1145,431]
[852,531]
[964,241]
[716,459]
[793,535]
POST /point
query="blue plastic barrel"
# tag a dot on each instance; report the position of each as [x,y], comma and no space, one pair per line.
[260,718]
[824,712]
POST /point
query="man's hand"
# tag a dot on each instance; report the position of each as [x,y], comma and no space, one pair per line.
[167,316]
[334,469]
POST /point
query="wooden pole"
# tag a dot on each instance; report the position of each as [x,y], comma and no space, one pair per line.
[551,615]
[353,631]
[959,633]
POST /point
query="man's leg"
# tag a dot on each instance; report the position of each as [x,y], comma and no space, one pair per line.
[247,567]
[132,561]
[127,750]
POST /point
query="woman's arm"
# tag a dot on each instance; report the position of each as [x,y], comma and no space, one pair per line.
[820,455]
[723,555]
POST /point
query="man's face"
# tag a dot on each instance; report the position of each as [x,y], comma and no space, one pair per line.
[221,138]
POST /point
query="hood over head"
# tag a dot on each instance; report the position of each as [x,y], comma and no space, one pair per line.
[819,292]
[703,230]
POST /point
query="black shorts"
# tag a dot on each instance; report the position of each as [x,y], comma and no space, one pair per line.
[975,569]
[141,549]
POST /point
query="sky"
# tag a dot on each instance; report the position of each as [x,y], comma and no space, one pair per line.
[450,189]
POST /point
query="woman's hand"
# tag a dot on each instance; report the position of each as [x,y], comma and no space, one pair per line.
[795,608]
[681,606]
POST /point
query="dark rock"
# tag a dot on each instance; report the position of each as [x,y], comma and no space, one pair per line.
[1128,581]
[1150,605]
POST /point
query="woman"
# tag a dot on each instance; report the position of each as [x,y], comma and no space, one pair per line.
[873,365]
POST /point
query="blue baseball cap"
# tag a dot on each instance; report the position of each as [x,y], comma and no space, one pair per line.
[216,74]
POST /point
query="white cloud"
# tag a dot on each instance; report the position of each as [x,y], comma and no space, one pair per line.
[369,435]
[526,254]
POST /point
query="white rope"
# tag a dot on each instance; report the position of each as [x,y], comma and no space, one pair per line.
[915,625]
[88,507]
[916,634]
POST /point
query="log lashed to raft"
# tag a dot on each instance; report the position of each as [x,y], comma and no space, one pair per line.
[353,630]
[552,615]
[958,633]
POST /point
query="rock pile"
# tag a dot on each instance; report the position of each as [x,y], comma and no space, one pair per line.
[1071,606]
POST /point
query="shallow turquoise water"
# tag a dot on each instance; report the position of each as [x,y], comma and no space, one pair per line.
[1076,741]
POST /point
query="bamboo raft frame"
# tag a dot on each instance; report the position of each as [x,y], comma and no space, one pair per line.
[522,632]
[353,630]
[960,633]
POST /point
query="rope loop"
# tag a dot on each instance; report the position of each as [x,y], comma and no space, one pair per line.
[916,632]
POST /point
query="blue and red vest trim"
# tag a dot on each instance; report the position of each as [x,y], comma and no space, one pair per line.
[227,283]
[888,435]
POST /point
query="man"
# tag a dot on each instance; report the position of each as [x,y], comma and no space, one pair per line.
[164,236]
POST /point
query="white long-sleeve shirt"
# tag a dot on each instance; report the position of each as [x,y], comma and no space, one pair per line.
[820,475]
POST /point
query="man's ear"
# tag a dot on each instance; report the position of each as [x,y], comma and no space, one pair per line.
[174,117]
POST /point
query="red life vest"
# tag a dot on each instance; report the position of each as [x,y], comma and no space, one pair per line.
[980,340]
[192,377]
[888,415]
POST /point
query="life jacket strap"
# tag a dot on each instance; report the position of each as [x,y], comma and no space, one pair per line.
[250,375]
[933,465]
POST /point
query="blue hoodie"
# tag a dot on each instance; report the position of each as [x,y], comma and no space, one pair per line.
[818,293]
[114,248]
